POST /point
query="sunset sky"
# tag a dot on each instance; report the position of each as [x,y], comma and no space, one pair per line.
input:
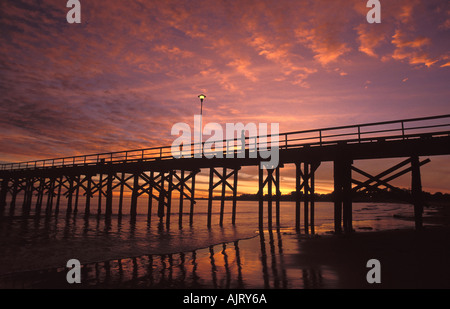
[132,69]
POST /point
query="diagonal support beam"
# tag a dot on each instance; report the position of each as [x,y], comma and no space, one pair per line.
[385,182]
[386,172]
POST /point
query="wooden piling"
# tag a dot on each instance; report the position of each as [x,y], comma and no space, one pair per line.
[26,206]
[26,196]
[3,193]
[69,195]
[260,197]
[109,194]
[100,190]
[416,192]
[162,197]
[12,204]
[77,192]
[347,195]
[337,173]
[40,195]
[51,194]
[298,188]
[278,195]
[169,197]
[306,196]
[180,208]
[312,200]
[134,196]
[269,199]
[122,185]
[191,212]
[222,197]
[210,195]
[235,184]
[150,197]
[30,196]
[88,193]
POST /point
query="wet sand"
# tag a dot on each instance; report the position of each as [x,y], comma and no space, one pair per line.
[280,259]
[409,259]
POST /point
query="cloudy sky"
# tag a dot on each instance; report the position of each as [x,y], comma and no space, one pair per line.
[132,69]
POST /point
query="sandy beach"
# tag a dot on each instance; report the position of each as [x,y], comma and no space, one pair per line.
[279,259]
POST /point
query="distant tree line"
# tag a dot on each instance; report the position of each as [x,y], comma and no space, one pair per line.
[386,195]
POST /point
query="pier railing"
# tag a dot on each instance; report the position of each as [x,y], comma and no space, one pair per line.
[360,133]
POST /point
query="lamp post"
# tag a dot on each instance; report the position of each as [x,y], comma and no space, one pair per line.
[201,97]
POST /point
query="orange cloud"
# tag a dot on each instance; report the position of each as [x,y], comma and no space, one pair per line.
[323,41]
[412,50]
[243,67]
[369,37]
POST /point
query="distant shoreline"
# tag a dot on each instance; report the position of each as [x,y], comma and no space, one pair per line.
[382,196]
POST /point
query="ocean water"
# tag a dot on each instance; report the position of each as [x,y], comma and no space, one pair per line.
[44,242]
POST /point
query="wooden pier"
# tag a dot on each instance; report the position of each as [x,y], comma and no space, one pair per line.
[154,174]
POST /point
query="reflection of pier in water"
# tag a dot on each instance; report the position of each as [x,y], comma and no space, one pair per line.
[223,266]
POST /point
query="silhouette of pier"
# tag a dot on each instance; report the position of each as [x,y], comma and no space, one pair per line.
[155,174]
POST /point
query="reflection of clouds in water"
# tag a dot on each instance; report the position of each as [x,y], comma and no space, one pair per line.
[264,261]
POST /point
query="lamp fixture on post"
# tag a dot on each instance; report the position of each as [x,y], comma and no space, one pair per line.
[201,97]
